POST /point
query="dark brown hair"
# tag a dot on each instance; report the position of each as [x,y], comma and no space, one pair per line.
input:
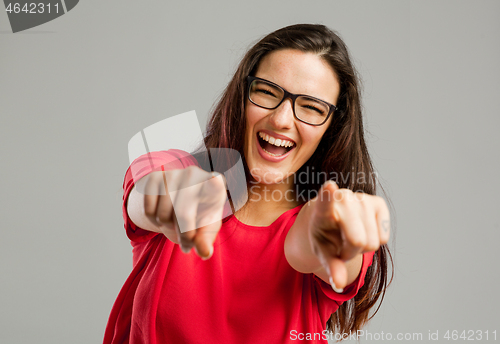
[342,149]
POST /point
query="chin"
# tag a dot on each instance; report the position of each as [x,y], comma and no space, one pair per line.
[266,176]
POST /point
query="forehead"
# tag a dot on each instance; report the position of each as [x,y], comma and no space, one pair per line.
[300,73]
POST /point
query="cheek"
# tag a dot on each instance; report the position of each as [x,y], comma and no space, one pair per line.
[250,119]
[248,130]
[252,116]
[311,139]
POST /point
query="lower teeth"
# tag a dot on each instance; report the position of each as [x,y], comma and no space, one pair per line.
[272,153]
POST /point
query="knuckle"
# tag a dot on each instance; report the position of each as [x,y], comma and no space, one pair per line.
[368,199]
[216,184]
[185,238]
[191,171]
[358,241]
[163,217]
[360,196]
[185,174]
[215,188]
[151,218]
[384,240]
[344,196]
[364,203]
[381,203]
[372,245]
[186,234]
[184,217]
[155,178]
[149,211]
[151,215]
[220,181]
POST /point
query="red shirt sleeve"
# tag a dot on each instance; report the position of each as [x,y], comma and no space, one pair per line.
[155,161]
[326,294]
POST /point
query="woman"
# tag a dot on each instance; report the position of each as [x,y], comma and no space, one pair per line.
[298,255]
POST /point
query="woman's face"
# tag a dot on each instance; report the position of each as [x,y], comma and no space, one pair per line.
[298,73]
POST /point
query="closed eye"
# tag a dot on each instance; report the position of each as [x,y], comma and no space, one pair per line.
[266,92]
[311,107]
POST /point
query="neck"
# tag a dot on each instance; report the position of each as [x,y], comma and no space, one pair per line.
[266,202]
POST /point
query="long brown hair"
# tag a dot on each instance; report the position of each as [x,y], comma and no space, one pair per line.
[342,149]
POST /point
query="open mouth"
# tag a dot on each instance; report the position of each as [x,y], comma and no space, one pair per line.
[274,146]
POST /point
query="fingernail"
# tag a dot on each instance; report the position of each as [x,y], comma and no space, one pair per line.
[327,269]
[185,249]
[335,289]
[329,181]
[209,254]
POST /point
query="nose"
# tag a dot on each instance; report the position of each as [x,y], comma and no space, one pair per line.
[282,117]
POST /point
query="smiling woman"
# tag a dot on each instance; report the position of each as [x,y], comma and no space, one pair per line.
[281,264]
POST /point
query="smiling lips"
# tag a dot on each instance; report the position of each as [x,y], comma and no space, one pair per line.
[274,146]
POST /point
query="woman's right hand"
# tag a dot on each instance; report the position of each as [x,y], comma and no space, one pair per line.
[185,205]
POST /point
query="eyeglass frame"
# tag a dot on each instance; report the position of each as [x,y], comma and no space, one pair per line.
[293,97]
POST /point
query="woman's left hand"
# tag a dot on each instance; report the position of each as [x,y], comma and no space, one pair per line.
[343,225]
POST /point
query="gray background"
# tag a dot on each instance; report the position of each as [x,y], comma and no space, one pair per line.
[75,90]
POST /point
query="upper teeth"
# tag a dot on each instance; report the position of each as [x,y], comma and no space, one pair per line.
[275,141]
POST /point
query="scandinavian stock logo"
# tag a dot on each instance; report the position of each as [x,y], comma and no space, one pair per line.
[25,15]
[183,133]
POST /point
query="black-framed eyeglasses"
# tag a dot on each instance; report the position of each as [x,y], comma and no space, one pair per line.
[307,109]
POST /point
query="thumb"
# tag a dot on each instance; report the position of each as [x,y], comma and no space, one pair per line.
[323,204]
[326,193]
[205,239]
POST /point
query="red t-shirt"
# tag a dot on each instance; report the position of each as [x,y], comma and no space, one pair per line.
[245,293]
